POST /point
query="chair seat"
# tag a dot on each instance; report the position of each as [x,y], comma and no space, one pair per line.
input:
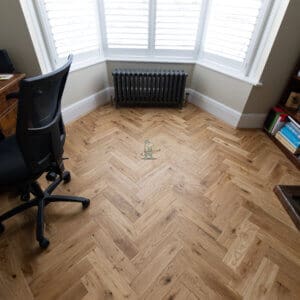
[12,165]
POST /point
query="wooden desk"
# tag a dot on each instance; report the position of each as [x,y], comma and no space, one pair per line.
[8,108]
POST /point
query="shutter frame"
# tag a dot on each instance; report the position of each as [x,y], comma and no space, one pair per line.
[90,50]
[241,65]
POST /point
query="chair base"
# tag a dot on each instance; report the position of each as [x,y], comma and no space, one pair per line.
[41,200]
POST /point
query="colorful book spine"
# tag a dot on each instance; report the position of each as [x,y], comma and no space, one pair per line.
[272,118]
[286,143]
[290,136]
[280,122]
[294,129]
[276,118]
[297,125]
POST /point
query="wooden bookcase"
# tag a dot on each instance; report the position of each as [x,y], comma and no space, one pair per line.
[289,196]
[293,85]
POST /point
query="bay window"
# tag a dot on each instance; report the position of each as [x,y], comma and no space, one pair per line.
[224,33]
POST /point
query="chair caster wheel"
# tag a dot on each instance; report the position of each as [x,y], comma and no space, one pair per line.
[2,228]
[86,203]
[44,243]
[66,177]
[51,176]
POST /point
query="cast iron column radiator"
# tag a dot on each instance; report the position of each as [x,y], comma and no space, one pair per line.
[149,88]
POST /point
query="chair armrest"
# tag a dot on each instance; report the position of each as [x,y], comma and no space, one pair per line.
[12,96]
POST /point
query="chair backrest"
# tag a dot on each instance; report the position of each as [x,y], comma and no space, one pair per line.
[40,129]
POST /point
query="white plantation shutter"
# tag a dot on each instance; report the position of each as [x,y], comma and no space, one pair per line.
[230,29]
[72,27]
[177,23]
[127,23]
[222,34]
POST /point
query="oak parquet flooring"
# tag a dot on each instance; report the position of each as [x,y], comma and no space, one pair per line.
[199,222]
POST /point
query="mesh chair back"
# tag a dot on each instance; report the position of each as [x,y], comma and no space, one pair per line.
[40,129]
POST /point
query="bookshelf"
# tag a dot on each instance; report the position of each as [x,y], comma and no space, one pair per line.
[289,196]
[292,86]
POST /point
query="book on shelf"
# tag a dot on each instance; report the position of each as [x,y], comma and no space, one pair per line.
[294,129]
[296,124]
[275,120]
[290,136]
[282,139]
[279,123]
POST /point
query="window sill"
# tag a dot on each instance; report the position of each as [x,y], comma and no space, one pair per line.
[170,60]
[230,73]
[163,60]
[167,60]
[86,64]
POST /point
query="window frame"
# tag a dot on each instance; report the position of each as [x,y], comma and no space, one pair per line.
[229,65]
[150,51]
[80,60]
[250,72]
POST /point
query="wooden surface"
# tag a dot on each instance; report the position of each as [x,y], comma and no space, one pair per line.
[8,108]
[289,197]
[201,221]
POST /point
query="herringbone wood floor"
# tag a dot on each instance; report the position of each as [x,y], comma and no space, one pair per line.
[199,222]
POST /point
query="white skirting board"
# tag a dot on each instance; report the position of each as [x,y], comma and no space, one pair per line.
[226,113]
[86,105]
[220,110]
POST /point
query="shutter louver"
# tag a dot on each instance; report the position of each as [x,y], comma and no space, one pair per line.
[230,28]
[127,23]
[177,24]
[74,26]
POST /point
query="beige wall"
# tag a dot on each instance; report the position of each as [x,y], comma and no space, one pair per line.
[227,90]
[282,60]
[85,82]
[15,38]
[111,65]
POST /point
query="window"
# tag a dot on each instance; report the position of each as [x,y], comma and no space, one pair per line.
[70,27]
[176,24]
[152,27]
[223,34]
[232,31]
[127,23]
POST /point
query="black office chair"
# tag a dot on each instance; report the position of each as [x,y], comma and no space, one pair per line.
[37,147]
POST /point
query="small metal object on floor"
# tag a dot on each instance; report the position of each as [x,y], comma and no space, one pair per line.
[148,151]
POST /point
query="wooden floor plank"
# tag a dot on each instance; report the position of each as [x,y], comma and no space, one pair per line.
[200,221]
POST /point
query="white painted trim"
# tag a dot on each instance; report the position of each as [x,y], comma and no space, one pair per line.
[36,35]
[270,31]
[86,105]
[227,71]
[229,115]
[212,106]
[252,121]
[152,59]
[216,108]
